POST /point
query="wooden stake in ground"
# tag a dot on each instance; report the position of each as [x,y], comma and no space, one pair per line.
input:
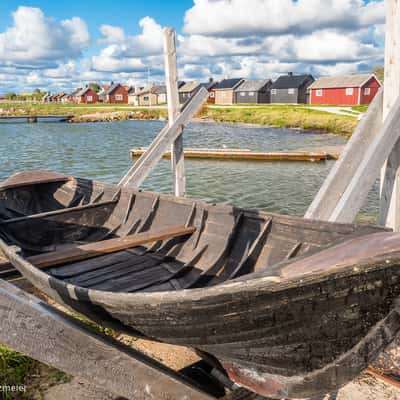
[390,175]
[171,81]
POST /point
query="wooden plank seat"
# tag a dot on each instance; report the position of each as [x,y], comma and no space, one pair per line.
[96,249]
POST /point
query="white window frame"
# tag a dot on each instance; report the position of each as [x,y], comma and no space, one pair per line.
[319,93]
[243,94]
[367,91]
[212,94]
[273,91]
[291,91]
[251,93]
[349,91]
[89,98]
[146,98]
[119,97]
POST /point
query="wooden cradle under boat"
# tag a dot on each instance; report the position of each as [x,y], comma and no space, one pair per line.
[286,307]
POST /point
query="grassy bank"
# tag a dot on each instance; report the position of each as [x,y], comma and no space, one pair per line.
[282,116]
[21,371]
[285,117]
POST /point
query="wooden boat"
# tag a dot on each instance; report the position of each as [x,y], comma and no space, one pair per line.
[286,307]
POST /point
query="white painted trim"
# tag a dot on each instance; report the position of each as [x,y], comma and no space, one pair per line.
[359,95]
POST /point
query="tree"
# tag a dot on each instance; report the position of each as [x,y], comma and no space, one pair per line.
[10,96]
[380,73]
[94,86]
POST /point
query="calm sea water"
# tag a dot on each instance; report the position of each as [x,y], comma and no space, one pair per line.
[101,151]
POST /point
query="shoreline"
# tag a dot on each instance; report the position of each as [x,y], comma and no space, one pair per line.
[293,117]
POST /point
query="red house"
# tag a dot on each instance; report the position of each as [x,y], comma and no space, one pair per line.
[86,95]
[345,90]
[116,93]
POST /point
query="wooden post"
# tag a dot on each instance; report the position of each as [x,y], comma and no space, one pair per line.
[390,175]
[142,168]
[171,81]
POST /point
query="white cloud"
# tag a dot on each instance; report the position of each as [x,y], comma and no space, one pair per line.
[238,18]
[252,39]
[129,53]
[36,40]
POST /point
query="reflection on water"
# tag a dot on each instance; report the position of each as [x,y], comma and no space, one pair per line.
[101,151]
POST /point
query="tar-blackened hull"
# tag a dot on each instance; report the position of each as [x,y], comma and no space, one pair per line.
[287,307]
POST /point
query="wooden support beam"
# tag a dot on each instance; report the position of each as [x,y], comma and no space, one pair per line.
[142,168]
[171,81]
[35,328]
[91,250]
[344,169]
[390,175]
[368,170]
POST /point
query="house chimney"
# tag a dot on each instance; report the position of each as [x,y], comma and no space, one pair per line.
[211,79]
[290,73]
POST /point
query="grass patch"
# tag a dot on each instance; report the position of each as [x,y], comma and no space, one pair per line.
[285,116]
[37,109]
[14,370]
[19,370]
[362,109]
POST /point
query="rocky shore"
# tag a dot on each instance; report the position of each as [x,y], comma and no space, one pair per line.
[120,116]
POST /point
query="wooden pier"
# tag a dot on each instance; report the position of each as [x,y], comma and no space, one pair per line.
[35,118]
[247,155]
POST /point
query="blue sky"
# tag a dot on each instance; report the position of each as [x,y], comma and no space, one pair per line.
[58,45]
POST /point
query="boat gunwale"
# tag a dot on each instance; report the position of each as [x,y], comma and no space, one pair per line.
[260,285]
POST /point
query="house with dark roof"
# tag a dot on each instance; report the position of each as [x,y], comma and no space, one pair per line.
[188,90]
[116,93]
[254,91]
[86,96]
[354,89]
[161,92]
[46,98]
[225,90]
[210,86]
[291,89]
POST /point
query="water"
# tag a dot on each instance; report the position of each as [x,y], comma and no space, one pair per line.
[101,151]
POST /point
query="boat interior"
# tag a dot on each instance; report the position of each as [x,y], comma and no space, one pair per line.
[147,242]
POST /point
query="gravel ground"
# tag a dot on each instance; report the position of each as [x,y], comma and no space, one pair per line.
[363,388]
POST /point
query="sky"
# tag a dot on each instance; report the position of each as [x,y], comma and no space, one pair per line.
[61,45]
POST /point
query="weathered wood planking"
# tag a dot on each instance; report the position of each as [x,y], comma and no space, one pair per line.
[390,179]
[91,250]
[27,178]
[246,155]
[142,168]
[38,330]
[63,211]
[342,173]
[171,81]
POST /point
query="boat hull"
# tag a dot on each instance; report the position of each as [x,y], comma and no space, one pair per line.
[295,326]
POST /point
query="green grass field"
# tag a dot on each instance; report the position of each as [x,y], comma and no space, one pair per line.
[285,116]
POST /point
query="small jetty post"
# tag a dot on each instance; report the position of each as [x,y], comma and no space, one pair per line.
[390,175]
[171,81]
[170,133]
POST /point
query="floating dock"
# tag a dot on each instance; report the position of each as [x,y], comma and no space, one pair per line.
[246,155]
[35,118]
